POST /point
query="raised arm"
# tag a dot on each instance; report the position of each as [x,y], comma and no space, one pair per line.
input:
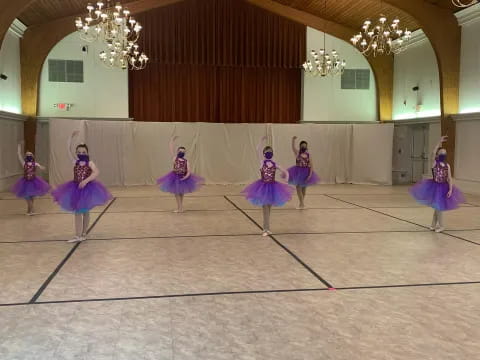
[260,147]
[19,154]
[294,146]
[438,146]
[70,152]
[171,146]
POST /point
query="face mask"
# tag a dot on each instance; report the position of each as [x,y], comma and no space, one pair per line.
[83,157]
[442,157]
[29,158]
[303,149]
[181,155]
[268,155]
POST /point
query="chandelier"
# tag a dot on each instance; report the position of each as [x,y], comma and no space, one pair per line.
[381,38]
[118,31]
[462,4]
[322,63]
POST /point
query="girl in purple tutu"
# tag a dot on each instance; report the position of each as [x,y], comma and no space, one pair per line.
[29,185]
[180,181]
[267,192]
[83,193]
[439,192]
[302,175]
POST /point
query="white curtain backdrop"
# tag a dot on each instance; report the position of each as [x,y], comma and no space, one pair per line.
[467,148]
[136,153]
[42,145]
[11,133]
[372,153]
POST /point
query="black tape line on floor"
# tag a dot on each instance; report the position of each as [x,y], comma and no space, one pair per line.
[68,256]
[245,292]
[308,268]
[404,220]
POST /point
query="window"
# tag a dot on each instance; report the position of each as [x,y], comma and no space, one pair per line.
[358,79]
[65,71]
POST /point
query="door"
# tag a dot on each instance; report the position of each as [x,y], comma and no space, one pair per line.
[419,152]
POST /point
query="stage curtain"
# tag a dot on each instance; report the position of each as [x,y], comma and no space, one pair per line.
[218,61]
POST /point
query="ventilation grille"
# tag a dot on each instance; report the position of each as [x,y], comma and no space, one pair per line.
[356,79]
[65,71]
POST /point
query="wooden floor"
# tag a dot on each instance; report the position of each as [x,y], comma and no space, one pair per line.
[357,275]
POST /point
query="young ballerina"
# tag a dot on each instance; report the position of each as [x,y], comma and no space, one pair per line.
[302,175]
[180,181]
[267,192]
[439,192]
[30,185]
[83,193]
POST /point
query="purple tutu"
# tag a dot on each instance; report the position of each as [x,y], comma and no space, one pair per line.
[262,193]
[73,199]
[297,175]
[434,194]
[26,189]
[173,183]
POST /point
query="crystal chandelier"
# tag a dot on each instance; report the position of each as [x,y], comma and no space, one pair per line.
[118,31]
[382,38]
[463,3]
[323,64]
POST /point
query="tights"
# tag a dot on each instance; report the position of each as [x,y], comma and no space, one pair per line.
[301,192]
[29,205]
[437,219]
[81,223]
[266,217]
[179,198]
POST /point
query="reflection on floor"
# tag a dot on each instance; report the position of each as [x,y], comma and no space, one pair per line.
[357,275]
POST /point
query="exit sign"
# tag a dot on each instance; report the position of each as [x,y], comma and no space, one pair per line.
[63,106]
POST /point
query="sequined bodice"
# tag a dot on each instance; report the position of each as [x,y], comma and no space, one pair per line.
[81,172]
[180,167]
[303,161]
[440,173]
[29,170]
[268,173]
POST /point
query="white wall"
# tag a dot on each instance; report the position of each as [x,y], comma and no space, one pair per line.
[470,61]
[104,92]
[323,98]
[416,66]
[10,89]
